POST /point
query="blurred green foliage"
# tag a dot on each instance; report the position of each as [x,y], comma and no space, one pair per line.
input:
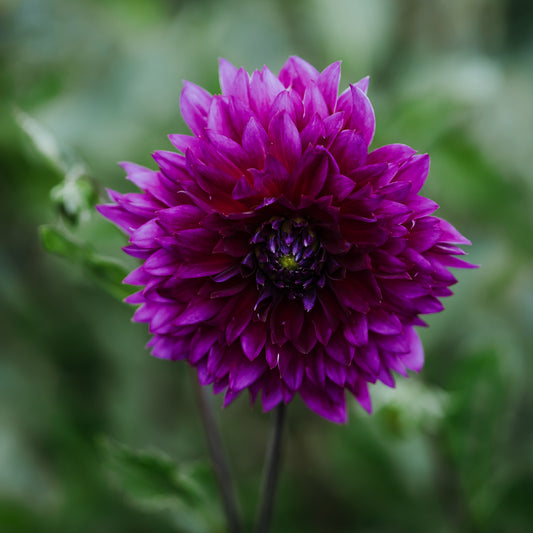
[84,84]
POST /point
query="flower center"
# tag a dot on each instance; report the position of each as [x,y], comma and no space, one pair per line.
[288,262]
[288,258]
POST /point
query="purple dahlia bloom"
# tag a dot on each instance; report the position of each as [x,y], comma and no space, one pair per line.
[278,254]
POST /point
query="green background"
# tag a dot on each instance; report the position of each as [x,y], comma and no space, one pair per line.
[450,450]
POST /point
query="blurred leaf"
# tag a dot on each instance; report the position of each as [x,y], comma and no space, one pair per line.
[75,196]
[57,242]
[109,273]
[106,272]
[411,407]
[15,516]
[152,481]
[475,430]
[148,476]
[45,143]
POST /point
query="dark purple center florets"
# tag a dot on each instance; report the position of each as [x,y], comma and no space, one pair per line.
[288,259]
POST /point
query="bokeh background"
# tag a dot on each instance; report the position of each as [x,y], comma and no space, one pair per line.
[86,83]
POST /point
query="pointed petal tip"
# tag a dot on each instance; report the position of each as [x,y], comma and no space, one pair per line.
[362,84]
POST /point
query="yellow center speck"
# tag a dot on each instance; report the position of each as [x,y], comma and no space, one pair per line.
[288,262]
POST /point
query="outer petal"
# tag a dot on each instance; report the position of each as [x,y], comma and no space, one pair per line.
[414,360]
[317,399]
[328,83]
[358,112]
[297,73]
[194,104]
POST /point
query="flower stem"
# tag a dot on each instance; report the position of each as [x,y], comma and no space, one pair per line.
[218,458]
[271,472]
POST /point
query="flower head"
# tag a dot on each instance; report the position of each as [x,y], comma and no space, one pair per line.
[278,254]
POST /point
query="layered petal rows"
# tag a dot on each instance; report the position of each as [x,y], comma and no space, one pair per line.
[277,253]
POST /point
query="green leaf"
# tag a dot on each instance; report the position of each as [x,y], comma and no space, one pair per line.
[108,273]
[148,476]
[75,196]
[152,481]
[474,430]
[44,142]
[56,241]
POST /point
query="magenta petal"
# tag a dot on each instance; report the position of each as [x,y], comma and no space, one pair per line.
[368,359]
[291,366]
[243,190]
[194,105]
[306,341]
[414,360]
[197,312]
[328,83]
[285,138]
[297,73]
[333,126]
[271,395]
[180,217]
[182,142]
[336,372]
[229,149]
[358,112]
[255,142]
[384,323]
[219,119]
[253,339]
[161,263]
[124,220]
[135,298]
[362,395]
[142,177]
[450,234]
[205,267]
[322,329]
[240,87]
[163,315]
[314,103]
[338,186]
[340,350]
[426,233]
[349,150]
[356,331]
[312,132]
[292,318]
[264,87]
[363,84]
[226,74]
[287,102]
[146,235]
[391,153]
[173,165]
[310,173]
[241,318]
[138,277]
[195,240]
[414,171]
[362,118]
[320,402]
[202,342]
[349,295]
[245,373]
[230,396]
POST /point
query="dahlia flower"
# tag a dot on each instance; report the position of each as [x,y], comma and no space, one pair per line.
[278,254]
